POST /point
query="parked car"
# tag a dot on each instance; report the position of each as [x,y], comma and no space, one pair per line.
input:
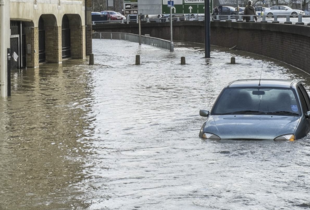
[224,12]
[259,110]
[112,15]
[98,17]
[259,10]
[121,15]
[193,17]
[240,10]
[133,17]
[281,10]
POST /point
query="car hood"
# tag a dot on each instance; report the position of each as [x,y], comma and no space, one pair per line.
[251,126]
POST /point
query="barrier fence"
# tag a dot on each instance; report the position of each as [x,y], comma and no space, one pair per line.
[224,18]
[145,39]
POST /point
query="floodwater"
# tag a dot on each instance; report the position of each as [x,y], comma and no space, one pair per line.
[119,136]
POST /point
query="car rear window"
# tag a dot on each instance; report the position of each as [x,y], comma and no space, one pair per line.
[269,101]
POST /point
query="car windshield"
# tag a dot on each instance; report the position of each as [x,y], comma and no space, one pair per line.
[268,101]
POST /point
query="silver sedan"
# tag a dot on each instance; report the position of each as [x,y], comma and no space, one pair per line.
[280,10]
[259,109]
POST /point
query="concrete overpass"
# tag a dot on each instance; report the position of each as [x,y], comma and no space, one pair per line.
[287,43]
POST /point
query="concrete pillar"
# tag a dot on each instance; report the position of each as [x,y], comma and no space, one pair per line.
[77,34]
[300,20]
[137,59]
[4,44]
[233,60]
[287,20]
[183,62]
[239,18]
[251,19]
[88,27]
[263,19]
[53,46]
[275,19]
[32,44]
[91,59]
[89,45]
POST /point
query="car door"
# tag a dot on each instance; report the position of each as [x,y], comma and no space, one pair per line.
[258,10]
[283,11]
[305,103]
[275,10]
[225,12]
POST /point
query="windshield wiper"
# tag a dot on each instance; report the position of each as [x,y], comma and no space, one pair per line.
[283,113]
[246,112]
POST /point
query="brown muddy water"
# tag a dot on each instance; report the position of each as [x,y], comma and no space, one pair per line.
[119,136]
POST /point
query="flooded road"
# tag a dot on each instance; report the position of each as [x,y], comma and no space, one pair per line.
[119,136]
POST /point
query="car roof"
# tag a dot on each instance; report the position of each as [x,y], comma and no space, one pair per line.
[264,83]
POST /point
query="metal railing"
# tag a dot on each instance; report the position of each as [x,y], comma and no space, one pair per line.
[234,18]
[145,39]
[260,18]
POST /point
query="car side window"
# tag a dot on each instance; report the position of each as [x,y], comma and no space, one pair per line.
[282,8]
[306,96]
[225,10]
[302,100]
[274,8]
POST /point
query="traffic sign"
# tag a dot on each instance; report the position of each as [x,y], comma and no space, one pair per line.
[185,6]
[190,9]
[170,3]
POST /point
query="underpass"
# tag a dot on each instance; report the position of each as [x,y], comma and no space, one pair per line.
[116,135]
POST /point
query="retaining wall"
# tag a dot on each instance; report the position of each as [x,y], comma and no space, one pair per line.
[287,43]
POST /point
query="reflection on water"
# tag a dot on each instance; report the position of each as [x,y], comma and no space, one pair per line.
[42,123]
[119,136]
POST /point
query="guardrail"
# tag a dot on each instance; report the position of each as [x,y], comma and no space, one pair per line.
[300,20]
[145,39]
[264,19]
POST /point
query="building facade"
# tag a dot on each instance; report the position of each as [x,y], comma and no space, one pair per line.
[49,31]
[115,5]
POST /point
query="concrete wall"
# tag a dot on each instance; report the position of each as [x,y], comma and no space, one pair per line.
[31,10]
[287,43]
[4,45]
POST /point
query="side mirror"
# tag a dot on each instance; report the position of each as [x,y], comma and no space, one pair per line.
[307,114]
[205,113]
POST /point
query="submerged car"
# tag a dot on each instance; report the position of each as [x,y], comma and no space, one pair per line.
[259,110]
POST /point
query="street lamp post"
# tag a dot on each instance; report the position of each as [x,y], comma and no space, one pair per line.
[139,19]
[207,29]
[171,31]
